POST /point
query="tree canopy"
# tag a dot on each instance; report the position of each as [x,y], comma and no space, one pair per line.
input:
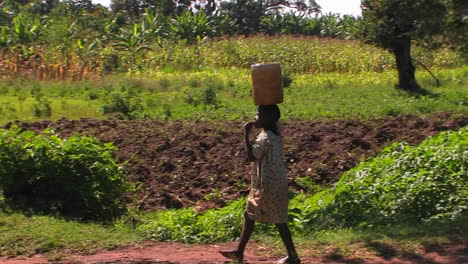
[387,21]
[393,24]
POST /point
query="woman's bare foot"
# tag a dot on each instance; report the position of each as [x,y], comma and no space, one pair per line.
[289,260]
[233,254]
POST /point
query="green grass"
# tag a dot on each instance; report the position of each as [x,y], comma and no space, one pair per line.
[224,94]
[56,238]
[369,95]
[23,235]
[72,108]
[354,243]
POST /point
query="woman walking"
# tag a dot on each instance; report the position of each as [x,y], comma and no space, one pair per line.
[268,197]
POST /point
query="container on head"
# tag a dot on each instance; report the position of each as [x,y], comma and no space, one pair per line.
[267,84]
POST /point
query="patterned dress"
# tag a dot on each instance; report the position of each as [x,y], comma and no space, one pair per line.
[268,197]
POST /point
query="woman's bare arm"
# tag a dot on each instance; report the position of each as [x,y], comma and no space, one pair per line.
[248,145]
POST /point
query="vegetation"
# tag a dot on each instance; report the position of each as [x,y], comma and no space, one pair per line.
[392,25]
[402,201]
[389,200]
[77,40]
[55,238]
[225,95]
[76,177]
[395,235]
[168,60]
[398,187]
[394,188]
[41,234]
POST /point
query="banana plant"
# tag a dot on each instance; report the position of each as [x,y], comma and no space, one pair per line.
[153,27]
[191,27]
[312,26]
[293,23]
[88,55]
[351,26]
[132,41]
[271,24]
[331,26]
[89,50]
[3,36]
[26,28]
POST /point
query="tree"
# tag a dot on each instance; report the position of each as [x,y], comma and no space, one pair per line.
[80,5]
[246,15]
[456,23]
[392,24]
[135,8]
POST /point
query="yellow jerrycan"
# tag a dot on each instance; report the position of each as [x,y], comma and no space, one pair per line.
[267,83]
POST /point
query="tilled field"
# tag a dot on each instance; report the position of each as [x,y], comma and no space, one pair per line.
[202,164]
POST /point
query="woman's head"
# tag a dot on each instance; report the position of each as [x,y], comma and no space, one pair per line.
[267,116]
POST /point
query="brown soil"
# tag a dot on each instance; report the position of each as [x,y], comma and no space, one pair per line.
[174,253]
[179,164]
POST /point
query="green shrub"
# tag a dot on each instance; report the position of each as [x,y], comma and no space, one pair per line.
[41,107]
[122,103]
[3,89]
[402,185]
[287,78]
[188,226]
[75,177]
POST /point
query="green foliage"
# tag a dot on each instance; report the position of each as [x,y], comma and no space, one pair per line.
[226,95]
[455,25]
[46,235]
[75,39]
[42,107]
[121,104]
[188,226]
[75,177]
[387,21]
[307,184]
[192,27]
[26,28]
[335,26]
[402,185]
[307,55]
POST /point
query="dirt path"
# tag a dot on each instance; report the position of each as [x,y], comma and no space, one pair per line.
[174,253]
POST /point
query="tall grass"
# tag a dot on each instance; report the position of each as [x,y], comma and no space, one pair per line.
[297,54]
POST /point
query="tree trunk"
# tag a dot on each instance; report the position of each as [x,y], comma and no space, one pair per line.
[210,7]
[405,67]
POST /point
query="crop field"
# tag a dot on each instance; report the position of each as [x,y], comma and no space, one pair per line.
[323,78]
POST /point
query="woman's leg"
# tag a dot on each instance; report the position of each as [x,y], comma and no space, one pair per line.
[247,230]
[285,234]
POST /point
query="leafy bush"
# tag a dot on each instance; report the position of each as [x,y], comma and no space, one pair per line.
[41,107]
[75,177]
[402,185]
[188,226]
[122,103]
